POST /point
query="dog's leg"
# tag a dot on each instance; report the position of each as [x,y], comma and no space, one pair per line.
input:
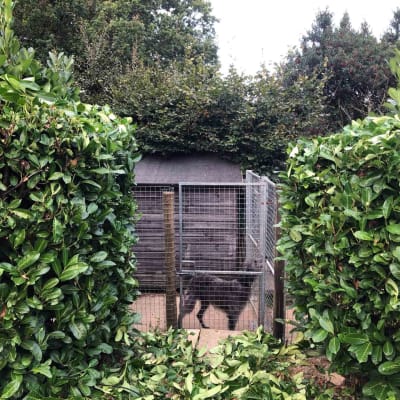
[232,319]
[189,301]
[200,314]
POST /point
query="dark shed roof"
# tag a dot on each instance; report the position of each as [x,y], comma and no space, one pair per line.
[207,168]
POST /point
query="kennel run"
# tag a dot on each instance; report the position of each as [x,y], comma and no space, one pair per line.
[219,228]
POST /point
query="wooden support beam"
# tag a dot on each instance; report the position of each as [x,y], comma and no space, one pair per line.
[170,270]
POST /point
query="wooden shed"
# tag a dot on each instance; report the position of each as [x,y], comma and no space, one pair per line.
[208,214]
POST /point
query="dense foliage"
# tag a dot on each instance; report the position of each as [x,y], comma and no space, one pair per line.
[253,365]
[341,234]
[188,108]
[156,61]
[106,37]
[355,62]
[66,229]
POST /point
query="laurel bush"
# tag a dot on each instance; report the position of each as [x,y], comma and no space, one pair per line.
[66,228]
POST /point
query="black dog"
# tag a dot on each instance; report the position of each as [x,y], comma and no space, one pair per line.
[229,295]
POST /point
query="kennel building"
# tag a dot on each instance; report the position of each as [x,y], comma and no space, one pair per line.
[220,221]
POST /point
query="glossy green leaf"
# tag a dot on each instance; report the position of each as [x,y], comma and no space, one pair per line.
[99,257]
[393,228]
[55,176]
[387,207]
[395,270]
[334,345]
[319,335]
[43,369]
[92,208]
[73,270]
[27,260]
[48,257]
[56,335]
[391,287]
[111,380]
[29,85]
[34,348]
[353,338]
[52,294]
[377,354]
[377,389]
[19,238]
[362,235]
[50,283]
[12,387]
[24,214]
[14,82]
[326,324]
[396,252]
[206,394]
[388,349]
[58,230]
[295,235]
[4,266]
[78,329]
[389,367]
[361,351]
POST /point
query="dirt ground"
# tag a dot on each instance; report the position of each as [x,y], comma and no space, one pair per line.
[151,307]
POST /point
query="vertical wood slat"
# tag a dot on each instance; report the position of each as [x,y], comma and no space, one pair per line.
[170,270]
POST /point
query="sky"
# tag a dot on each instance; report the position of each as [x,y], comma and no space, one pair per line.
[253,32]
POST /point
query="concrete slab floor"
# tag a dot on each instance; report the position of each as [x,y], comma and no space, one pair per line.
[194,335]
[209,338]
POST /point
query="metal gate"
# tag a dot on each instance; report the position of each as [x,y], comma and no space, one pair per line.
[263,207]
[226,252]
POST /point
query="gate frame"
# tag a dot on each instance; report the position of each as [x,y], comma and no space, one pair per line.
[263,183]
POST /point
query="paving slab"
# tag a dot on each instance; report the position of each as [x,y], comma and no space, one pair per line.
[194,335]
[209,338]
[337,379]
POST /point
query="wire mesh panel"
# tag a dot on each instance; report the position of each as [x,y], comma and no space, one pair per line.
[255,215]
[211,226]
[221,299]
[270,215]
[150,256]
[223,250]
[262,206]
[150,249]
[220,267]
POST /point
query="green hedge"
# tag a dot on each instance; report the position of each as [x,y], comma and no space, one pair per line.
[340,208]
[190,108]
[66,229]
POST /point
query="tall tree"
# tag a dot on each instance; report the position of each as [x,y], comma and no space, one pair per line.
[106,37]
[392,34]
[354,60]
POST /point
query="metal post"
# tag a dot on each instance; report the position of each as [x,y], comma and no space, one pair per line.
[263,216]
[248,215]
[180,210]
[262,222]
[261,303]
[278,328]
